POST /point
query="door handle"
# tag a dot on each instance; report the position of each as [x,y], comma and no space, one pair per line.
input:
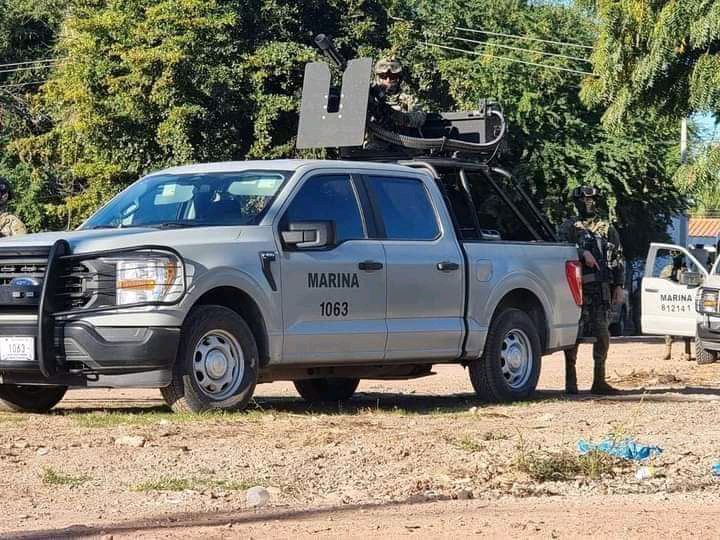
[652,290]
[447,266]
[369,266]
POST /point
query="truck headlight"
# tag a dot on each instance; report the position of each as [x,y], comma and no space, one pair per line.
[149,279]
[707,301]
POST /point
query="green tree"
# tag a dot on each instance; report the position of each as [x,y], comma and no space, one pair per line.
[150,84]
[661,55]
[556,142]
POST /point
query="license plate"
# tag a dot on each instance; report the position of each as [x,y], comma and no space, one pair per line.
[17,349]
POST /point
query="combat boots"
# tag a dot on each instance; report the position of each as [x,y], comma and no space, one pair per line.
[600,385]
[570,373]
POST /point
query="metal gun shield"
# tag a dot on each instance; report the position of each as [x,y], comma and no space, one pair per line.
[320,128]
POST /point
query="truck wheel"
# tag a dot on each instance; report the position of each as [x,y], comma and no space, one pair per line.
[326,390]
[34,399]
[216,365]
[509,368]
[702,355]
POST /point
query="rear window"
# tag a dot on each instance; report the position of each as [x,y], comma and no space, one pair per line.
[405,208]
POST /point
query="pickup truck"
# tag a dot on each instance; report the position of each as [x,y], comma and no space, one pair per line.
[680,299]
[205,280]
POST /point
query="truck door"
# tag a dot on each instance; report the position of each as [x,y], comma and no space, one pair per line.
[425,271]
[333,296]
[668,305]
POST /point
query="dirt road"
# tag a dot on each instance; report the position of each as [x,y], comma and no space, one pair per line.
[404,458]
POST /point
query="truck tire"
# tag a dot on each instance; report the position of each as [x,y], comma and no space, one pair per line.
[32,399]
[509,368]
[328,390]
[217,363]
[702,355]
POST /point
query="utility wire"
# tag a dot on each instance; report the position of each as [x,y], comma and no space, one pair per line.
[15,70]
[514,36]
[465,51]
[49,60]
[528,38]
[500,45]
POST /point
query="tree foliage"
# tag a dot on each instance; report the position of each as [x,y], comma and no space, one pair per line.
[153,83]
[662,56]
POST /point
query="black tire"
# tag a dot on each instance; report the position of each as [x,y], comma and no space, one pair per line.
[328,390]
[185,393]
[487,374]
[702,355]
[33,399]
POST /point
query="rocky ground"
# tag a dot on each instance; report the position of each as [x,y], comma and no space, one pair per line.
[403,458]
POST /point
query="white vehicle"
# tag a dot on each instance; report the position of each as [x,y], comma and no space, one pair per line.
[680,299]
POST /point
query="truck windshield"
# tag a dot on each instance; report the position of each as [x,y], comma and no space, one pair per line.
[192,200]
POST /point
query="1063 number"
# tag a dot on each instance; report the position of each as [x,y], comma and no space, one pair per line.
[334,309]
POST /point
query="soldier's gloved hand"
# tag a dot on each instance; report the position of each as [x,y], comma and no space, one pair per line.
[590,260]
[618,296]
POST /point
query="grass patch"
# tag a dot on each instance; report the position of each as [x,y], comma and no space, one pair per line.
[546,466]
[466,443]
[169,483]
[52,477]
[113,419]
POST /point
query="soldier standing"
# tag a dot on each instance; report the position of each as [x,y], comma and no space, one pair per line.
[603,275]
[10,224]
[387,89]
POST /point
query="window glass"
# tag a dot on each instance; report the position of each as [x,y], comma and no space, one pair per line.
[405,208]
[328,198]
[670,264]
[205,199]
[496,217]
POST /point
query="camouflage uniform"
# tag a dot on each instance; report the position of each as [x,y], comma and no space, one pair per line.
[600,238]
[394,110]
[10,225]
[403,111]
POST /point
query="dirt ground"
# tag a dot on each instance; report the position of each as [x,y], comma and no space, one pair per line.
[415,458]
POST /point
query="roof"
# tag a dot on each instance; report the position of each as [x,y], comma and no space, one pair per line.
[707,227]
[276,164]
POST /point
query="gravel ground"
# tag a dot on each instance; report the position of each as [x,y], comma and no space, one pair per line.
[404,458]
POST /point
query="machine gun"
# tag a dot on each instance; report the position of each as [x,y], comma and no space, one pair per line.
[340,117]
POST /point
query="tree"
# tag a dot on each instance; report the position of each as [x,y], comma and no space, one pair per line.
[152,84]
[556,142]
[665,56]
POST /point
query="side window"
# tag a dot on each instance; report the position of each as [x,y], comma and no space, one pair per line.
[324,198]
[670,263]
[405,207]
[494,214]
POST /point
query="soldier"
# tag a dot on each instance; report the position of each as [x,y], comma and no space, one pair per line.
[603,276]
[386,89]
[10,224]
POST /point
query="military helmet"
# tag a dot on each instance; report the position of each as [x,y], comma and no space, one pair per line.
[388,64]
[581,192]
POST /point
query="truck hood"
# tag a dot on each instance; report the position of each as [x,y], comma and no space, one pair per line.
[85,241]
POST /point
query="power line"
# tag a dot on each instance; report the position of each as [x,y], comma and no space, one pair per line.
[569,70]
[500,45]
[15,70]
[514,36]
[48,60]
[528,38]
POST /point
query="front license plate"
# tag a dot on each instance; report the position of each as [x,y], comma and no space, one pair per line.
[17,349]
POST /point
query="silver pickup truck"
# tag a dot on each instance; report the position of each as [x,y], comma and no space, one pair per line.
[205,280]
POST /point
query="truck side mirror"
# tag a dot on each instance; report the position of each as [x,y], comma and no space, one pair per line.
[691,279]
[309,234]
